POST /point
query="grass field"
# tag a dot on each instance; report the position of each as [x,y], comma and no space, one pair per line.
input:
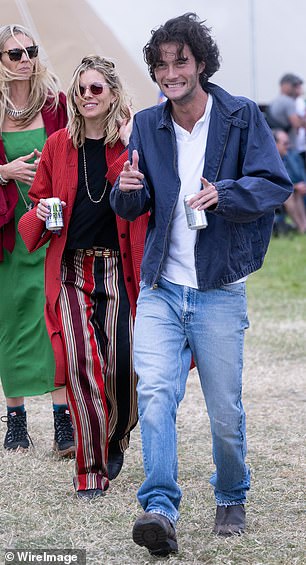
[38,509]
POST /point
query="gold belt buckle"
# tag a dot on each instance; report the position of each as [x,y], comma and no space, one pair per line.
[99,252]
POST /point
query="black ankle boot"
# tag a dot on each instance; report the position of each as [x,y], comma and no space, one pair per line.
[115,460]
[16,437]
[63,434]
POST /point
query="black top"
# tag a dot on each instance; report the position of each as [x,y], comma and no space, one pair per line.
[92,224]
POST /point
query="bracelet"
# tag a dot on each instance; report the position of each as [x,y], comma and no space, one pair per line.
[3,181]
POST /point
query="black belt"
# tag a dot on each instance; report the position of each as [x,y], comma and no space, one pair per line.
[101,252]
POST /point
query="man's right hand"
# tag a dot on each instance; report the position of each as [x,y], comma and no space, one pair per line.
[131,177]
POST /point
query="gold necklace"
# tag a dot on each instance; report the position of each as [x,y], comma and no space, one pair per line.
[86,181]
[28,205]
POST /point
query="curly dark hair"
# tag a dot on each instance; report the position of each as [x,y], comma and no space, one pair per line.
[186,29]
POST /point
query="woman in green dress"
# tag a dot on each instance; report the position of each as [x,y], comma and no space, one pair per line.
[31,108]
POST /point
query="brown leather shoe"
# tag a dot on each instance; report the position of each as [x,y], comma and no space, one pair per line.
[156,533]
[229,520]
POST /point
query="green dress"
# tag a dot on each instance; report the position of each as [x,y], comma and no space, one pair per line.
[26,357]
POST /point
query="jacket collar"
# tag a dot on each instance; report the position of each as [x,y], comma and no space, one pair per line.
[223,116]
[223,101]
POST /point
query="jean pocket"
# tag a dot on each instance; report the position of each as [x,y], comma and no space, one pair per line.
[235,288]
[142,285]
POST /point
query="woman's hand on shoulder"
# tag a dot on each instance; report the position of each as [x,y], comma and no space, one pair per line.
[125,129]
[38,156]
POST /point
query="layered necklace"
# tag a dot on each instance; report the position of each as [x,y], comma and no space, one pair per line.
[86,181]
[16,114]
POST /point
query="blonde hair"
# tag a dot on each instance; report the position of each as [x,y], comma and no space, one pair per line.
[119,109]
[43,83]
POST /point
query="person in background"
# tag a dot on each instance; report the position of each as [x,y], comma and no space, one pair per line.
[216,153]
[92,271]
[293,161]
[282,112]
[301,133]
[31,108]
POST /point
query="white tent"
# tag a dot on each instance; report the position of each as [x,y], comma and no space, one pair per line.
[66,31]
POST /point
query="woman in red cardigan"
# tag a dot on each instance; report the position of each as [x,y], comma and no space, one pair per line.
[92,271]
[31,108]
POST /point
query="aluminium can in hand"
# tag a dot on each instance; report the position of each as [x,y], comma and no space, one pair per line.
[196,219]
[54,221]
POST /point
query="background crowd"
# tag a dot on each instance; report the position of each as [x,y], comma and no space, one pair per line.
[286,115]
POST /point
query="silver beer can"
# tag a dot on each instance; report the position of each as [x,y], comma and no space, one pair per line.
[54,221]
[196,219]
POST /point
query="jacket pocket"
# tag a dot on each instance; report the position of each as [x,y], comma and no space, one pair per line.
[247,235]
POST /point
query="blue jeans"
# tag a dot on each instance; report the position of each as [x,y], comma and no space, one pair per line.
[174,322]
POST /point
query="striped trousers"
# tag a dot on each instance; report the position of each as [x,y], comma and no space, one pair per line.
[97,330]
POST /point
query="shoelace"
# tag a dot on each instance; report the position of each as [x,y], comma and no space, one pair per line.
[64,429]
[16,428]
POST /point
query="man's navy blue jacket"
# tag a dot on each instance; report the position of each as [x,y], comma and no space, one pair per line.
[242,161]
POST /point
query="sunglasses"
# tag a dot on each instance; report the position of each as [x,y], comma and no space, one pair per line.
[16,54]
[95,88]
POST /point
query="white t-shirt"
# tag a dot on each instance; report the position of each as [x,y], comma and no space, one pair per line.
[179,266]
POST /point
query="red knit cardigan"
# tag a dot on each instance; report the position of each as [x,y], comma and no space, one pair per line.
[57,175]
[54,119]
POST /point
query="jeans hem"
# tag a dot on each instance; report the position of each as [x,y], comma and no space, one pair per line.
[230,502]
[163,513]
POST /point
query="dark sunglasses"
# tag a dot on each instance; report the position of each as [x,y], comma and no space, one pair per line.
[95,88]
[16,54]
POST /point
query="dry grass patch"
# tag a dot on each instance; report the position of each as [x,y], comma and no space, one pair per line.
[38,508]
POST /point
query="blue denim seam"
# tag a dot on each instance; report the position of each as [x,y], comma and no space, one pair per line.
[242,435]
[230,503]
[145,465]
[163,513]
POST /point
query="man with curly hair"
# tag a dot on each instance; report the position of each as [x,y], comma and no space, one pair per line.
[216,152]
